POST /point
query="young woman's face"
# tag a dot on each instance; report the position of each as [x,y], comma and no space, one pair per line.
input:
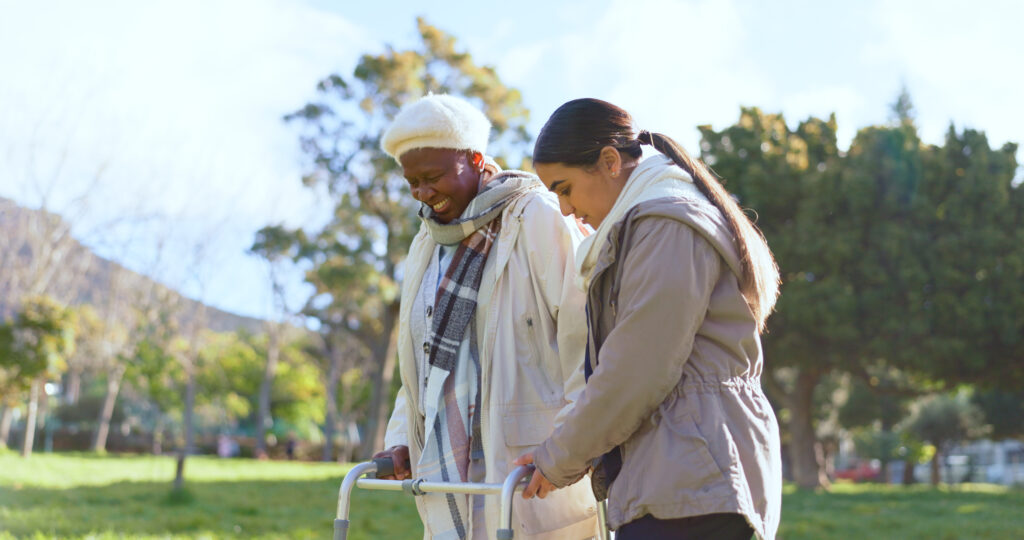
[446,180]
[587,192]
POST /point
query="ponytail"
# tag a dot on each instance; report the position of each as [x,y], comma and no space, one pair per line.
[579,129]
[759,283]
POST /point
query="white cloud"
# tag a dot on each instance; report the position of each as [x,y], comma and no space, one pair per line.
[673,65]
[962,63]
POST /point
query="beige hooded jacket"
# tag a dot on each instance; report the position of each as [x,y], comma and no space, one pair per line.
[677,376]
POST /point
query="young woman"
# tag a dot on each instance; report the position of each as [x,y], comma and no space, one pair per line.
[491,331]
[679,283]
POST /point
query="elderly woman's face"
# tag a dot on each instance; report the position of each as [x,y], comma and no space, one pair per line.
[446,180]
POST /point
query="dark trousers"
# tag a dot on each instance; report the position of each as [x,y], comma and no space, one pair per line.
[708,526]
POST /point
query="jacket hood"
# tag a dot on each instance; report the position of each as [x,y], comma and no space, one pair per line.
[702,216]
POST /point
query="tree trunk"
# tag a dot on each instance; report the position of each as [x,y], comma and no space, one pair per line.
[43,424]
[190,401]
[346,453]
[936,460]
[377,421]
[30,420]
[73,388]
[99,441]
[187,416]
[5,425]
[158,436]
[334,350]
[179,471]
[263,418]
[808,468]
[908,472]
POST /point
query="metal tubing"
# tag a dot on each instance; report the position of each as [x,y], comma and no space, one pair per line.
[513,482]
[602,516]
[508,490]
[471,488]
[349,482]
[341,529]
[379,485]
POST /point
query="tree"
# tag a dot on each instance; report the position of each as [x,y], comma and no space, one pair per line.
[274,248]
[356,259]
[38,262]
[873,412]
[297,398]
[150,366]
[899,260]
[944,419]
[32,347]
[973,294]
[913,451]
[188,356]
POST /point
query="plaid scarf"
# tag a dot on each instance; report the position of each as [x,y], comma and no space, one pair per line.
[453,420]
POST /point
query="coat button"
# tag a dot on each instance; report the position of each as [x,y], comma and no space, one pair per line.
[426,347]
[430,311]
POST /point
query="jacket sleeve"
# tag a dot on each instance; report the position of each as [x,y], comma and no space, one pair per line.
[667,278]
[397,433]
[553,239]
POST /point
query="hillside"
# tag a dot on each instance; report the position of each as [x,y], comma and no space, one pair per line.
[38,255]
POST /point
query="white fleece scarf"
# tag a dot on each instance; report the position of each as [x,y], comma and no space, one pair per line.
[655,177]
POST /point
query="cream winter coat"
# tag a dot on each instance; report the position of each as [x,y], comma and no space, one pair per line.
[532,335]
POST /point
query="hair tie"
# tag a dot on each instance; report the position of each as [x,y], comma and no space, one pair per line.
[645,137]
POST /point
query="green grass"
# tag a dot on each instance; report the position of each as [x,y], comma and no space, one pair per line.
[968,511]
[89,496]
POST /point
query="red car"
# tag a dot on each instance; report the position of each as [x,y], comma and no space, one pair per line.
[863,472]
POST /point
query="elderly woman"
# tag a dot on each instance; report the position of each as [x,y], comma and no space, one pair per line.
[491,330]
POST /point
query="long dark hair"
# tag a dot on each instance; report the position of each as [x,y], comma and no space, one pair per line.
[578,131]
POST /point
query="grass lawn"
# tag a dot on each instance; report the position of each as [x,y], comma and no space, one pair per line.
[87,496]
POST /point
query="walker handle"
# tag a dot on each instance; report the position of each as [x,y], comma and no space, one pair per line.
[386,466]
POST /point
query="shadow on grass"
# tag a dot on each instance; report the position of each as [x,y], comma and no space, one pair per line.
[263,508]
[881,512]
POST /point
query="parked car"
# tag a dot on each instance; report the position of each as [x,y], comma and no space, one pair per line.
[865,471]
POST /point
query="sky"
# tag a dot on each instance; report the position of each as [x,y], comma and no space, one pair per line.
[156,127]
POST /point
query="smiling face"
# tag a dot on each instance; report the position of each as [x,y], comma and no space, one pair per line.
[589,192]
[444,179]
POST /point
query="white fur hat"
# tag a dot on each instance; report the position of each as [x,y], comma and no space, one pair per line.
[437,121]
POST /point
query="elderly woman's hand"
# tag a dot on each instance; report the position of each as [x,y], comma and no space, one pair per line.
[538,485]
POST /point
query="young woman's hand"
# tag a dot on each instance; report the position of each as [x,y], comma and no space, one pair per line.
[538,485]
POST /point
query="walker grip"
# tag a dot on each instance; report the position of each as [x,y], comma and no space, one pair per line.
[386,466]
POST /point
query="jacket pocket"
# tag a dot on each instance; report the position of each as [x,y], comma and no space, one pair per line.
[696,460]
[525,427]
[668,462]
[537,366]
[528,425]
